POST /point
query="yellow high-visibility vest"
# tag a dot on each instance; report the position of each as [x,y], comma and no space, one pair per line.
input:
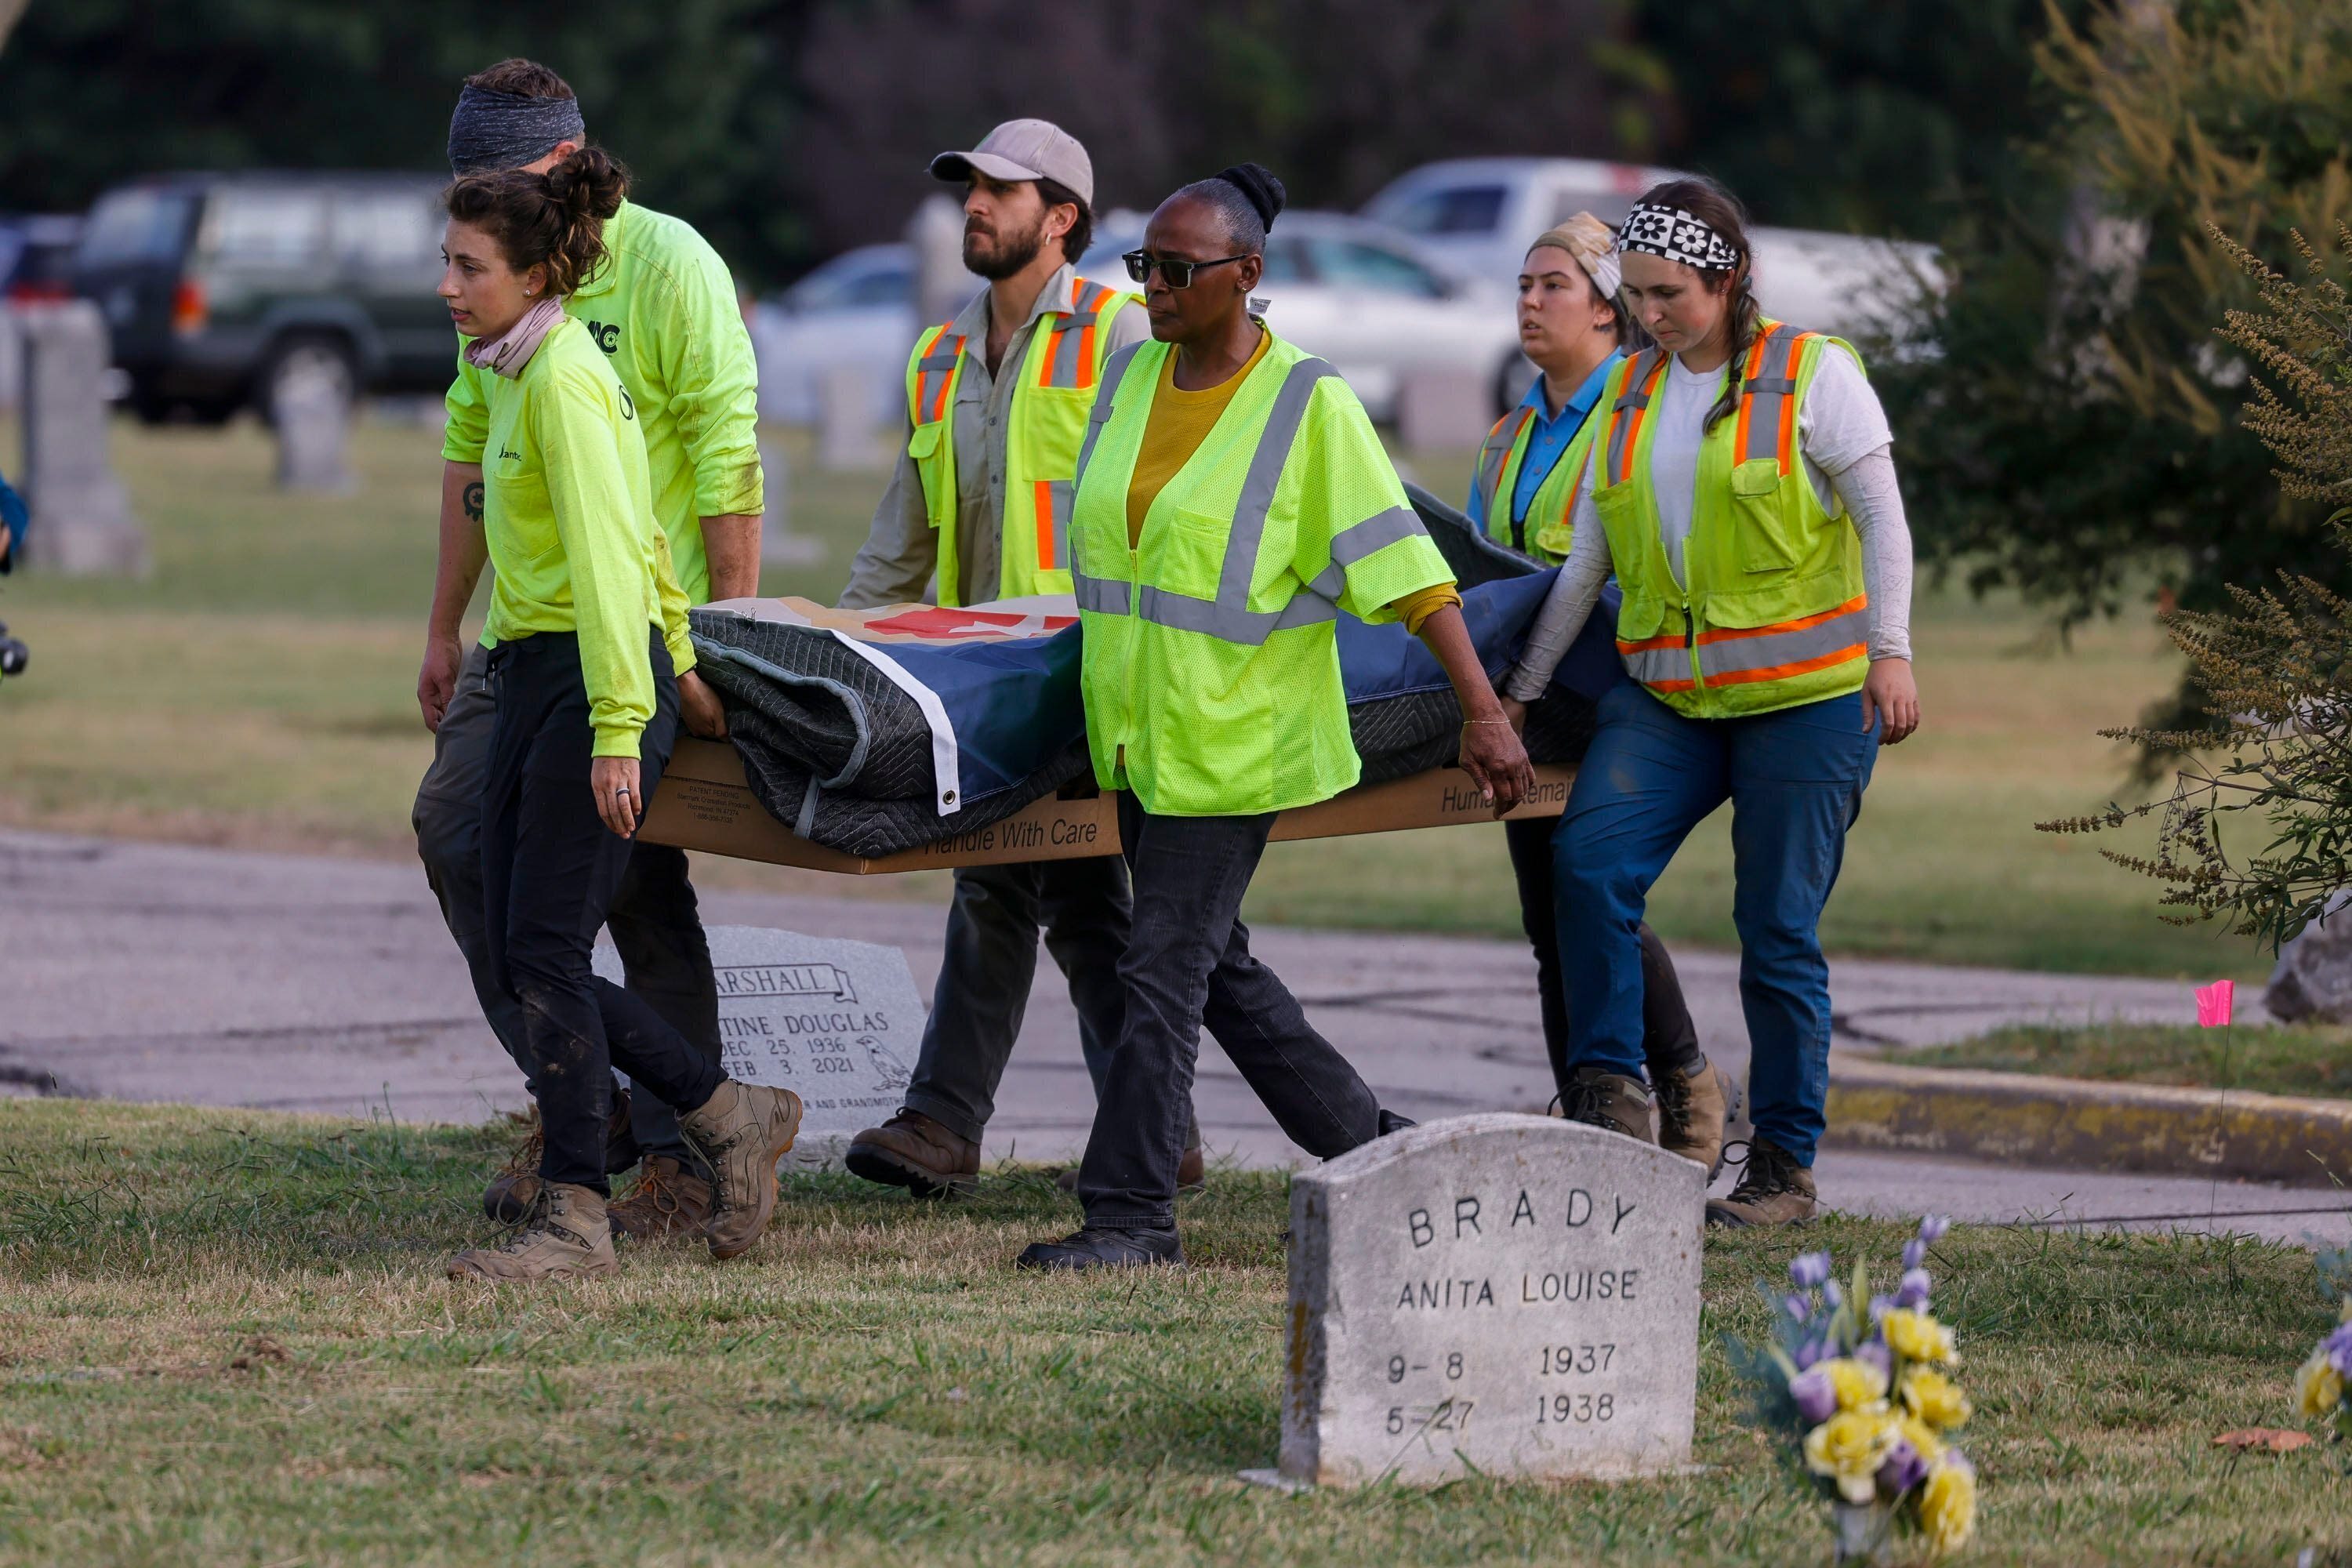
[1548,529]
[1211,669]
[1772,611]
[1058,380]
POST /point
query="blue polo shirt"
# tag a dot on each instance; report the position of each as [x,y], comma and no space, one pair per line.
[1547,440]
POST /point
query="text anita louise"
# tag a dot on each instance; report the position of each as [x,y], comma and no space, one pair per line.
[1535,1289]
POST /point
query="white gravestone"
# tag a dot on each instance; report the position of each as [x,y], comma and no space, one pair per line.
[81,522]
[312,411]
[1507,1293]
[838,1023]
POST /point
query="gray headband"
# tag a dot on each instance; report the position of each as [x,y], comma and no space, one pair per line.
[505,130]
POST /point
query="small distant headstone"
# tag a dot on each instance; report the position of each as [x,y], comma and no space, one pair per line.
[778,545]
[2313,981]
[836,1021]
[1507,1294]
[1443,409]
[848,429]
[12,361]
[311,406]
[82,521]
[935,235]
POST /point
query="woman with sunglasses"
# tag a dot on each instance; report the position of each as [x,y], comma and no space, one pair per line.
[1232,500]
[1741,490]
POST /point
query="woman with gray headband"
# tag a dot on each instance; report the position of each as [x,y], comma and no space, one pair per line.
[1741,490]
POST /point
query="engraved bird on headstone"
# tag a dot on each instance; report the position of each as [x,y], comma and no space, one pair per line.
[888,1072]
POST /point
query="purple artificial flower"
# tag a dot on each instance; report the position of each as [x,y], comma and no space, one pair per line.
[2338,1349]
[1913,1291]
[1933,1226]
[1958,1460]
[1810,1269]
[1874,1353]
[1914,1253]
[1833,1294]
[1796,1306]
[1903,1469]
[1810,1352]
[1814,1394]
[1879,1306]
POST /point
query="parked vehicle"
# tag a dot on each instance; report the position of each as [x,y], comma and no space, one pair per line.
[1359,295]
[36,258]
[1478,214]
[221,287]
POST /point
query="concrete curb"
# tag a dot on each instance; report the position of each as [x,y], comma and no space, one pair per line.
[2021,1118]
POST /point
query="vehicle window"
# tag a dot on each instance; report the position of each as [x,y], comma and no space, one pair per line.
[1283,262]
[1608,207]
[1345,264]
[265,228]
[882,286]
[1452,209]
[136,226]
[386,230]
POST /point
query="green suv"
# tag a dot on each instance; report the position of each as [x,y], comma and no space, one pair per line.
[218,288]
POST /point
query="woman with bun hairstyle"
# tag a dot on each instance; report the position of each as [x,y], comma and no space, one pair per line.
[1576,330]
[589,652]
[1232,502]
[1741,490]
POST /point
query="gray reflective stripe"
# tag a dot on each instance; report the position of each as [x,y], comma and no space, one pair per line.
[1274,444]
[1771,650]
[939,361]
[1102,595]
[1064,369]
[1248,628]
[1494,455]
[1379,530]
[1634,396]
[1764,392]
[1055,524]
[1659,665]
[1113,370]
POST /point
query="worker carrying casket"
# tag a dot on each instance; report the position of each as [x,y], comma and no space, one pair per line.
[997,400]
[1575,329]
[1232,502]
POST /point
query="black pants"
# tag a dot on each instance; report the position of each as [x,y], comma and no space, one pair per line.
[655,923]
[550,870]
[1187,962]
[989,964]
[1669,1038]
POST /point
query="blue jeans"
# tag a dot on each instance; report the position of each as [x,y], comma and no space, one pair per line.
[1794,779]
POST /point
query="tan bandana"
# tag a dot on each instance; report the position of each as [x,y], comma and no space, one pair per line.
[507,354]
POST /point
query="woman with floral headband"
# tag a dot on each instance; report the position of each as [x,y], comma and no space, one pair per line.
[1576,330]
[1741,490]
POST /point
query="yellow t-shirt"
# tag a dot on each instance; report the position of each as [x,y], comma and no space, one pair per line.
[1181,421]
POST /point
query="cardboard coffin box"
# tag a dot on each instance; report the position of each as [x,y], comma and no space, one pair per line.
[704,804]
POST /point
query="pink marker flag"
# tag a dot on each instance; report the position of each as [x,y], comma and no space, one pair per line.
[2214,1004]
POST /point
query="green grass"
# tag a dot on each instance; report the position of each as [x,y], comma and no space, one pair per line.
[2294,1059]
[258,690]
[225,1338]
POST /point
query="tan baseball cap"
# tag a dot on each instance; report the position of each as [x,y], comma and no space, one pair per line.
[1025,149]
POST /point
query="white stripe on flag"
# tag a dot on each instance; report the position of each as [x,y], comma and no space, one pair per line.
[935,714]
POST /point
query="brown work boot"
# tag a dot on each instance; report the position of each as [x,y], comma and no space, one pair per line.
[1601,1098]
[514,1190]
[1774,1189]
[743,1130]
[669,1200]
[567,1238]
[913,1151]
[1694,1114]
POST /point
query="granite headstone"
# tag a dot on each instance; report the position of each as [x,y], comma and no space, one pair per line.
[836,1021]
[1510,1294]
[82,524]
[312,413]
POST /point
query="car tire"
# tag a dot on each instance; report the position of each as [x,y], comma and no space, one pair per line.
[298,355]
[1512,379]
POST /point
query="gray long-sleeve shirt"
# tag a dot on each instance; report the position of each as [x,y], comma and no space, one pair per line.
[895,563]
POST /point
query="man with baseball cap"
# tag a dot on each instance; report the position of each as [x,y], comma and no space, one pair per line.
[998,399]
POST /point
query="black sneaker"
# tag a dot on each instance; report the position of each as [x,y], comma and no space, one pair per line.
[1774,1190]
[1108,1247]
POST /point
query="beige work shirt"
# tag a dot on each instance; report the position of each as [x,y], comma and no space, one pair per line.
[900,555]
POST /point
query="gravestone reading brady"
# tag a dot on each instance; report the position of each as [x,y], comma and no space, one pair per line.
[836,1021]
[1510,1294]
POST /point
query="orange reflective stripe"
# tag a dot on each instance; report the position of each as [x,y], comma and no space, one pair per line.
[1782,671]
[1045,498]
[1748,398]
[1671,639]
[1734,634]
[1788,408]
[1086,354]
[1640,411]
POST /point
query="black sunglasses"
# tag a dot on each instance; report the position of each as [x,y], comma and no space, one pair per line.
[1178,273]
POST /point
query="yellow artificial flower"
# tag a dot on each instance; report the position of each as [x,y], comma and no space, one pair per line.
[1935,1399]
[1848,1448]
[1858,1385]
[1916,1336]
[2318,1387]
[1948,1508]
[1921,1437]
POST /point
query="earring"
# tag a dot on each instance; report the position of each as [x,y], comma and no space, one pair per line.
[529,292]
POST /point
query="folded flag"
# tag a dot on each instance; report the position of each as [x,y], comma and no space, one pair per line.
[2214,1004]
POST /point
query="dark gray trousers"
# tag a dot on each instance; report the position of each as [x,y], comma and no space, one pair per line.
[655,923]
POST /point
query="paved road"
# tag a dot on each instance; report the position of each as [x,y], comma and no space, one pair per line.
[167,972]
